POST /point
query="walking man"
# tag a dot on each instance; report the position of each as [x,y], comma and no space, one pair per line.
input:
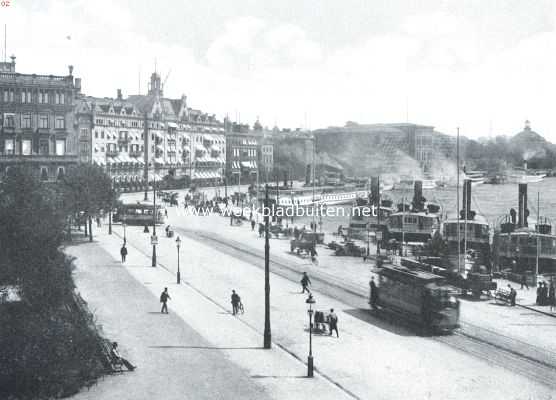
[513,295]
[551,296]
[374,293]
[333,322]
[252,224]
[524,282]
[236,300]
[123,253]
[305,282]
[164,297]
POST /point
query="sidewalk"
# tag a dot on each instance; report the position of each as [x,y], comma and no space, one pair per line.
[526,298]
[211,356]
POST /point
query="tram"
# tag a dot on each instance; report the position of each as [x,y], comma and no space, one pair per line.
[138,214]
[419,296]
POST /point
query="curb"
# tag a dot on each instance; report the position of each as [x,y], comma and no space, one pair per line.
[553,315]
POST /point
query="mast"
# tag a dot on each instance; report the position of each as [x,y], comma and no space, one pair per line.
[403,217]
[313,179]
[538,234]
[457,197]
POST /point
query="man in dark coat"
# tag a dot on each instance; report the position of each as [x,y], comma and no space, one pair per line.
[123,252]
[374,293]
[253,224]
[164,297]
[539,294]
[305,282]
[235,302]
[333,322]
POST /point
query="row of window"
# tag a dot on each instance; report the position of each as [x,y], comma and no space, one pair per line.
[123,123]
[121,135]
[237,152]
[34,96]
[11,147]
[29,121]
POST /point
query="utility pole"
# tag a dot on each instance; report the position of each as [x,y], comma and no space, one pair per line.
[538,234]
[378,220]
[267,334]
[457,199]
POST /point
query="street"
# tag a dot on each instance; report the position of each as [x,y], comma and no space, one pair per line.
[372,358]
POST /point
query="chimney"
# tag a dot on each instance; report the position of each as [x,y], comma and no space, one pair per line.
[418,199]
[78,85]
[13,62]
[70,68]
[119,94]
[375,187]
[522,205]
[525,165]
[466,199]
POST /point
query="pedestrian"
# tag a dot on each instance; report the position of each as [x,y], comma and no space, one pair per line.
[98,222]
[374,293]
[146,229]
[166,213]
[314,253]
[333,322]
[539,294]
[164,297]
[236,301]
[261,230]
[513,295]
[118,357]
[305,282]
[296,233]
[253,224]
[544,294]
[524,282]
[551,296]
[123,253]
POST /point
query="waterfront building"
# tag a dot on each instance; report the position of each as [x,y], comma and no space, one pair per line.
[266,157]
[243,146]
[114,138]
[185,144]
[38,121]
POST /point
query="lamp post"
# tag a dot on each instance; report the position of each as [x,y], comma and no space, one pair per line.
[267,333]
[123,224]
[310,301]
[110,208]
[154,238]
[178,244]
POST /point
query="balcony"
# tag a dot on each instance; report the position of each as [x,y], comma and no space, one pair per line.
[123,140]
[136,153]
[112,153]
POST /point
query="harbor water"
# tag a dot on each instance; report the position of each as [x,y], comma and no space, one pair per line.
[492,201]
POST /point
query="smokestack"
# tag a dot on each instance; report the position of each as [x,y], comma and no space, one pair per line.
[466,199]
[375,190]
[418,199]
[522,205]
[119,94]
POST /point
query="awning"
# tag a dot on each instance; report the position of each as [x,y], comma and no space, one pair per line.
[139,161]
[207,138]
[158,146]
[235,165]
[172,125]
[200,148]
[99,161]
[158,135]
[215,148]
[246,164]
[158,160]
[152,177]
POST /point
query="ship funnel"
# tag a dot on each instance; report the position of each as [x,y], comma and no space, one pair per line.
[467,213]
[374,196]
[418,199]
[522,212]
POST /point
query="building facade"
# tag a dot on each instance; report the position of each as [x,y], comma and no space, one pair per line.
[243,148]
[143,138]
[38,121]
[111,135]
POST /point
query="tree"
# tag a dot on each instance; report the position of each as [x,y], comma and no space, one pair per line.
[30,235]
[89,190]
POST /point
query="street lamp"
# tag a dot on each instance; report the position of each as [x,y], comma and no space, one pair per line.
[178,244]
[267,337]
[123,224]
[310,301]
[154,240]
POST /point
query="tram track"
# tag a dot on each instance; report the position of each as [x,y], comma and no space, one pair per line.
[523,358]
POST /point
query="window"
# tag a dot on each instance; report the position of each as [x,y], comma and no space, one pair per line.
[56,98]
[11,96]
[6,96]
[43,147]
[61,172]
[9,120]
[26,147]
[59,122]
[29,98]
[26,121]
[45,99]
[102,135]
[43,121]
[62,98]
[60,147]
[9,146]
[99,121]
[96,134]
[44,173]
[84,133]
[22,96]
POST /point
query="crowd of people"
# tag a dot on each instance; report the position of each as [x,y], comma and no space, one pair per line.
[546,295]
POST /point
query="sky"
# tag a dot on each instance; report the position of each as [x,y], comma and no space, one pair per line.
[482,65]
